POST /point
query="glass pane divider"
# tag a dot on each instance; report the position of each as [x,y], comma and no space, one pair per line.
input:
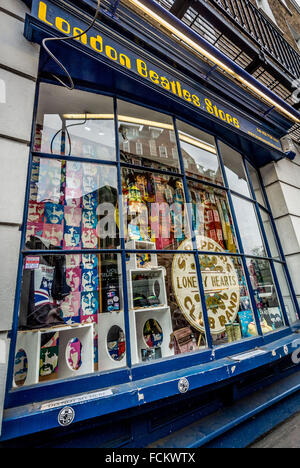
[241,247]
[62,157]
[209,340]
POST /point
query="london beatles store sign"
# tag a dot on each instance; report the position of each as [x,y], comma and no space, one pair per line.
[99,42]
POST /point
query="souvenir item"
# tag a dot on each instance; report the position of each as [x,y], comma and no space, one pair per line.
[89,303]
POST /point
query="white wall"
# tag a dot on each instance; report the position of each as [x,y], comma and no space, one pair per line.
[282,182]
[18,72]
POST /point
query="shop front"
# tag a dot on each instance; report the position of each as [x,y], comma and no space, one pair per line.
[151,279]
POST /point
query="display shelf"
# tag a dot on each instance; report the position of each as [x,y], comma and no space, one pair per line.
[29,346]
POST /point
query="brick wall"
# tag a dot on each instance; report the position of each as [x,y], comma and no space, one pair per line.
[284,17]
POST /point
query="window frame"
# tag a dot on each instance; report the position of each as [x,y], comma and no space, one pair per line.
[96,380]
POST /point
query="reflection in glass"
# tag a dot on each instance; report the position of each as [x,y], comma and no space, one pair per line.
[20,368]
[199,154]
[211,215]
[65,127]
[265,295]
[154,210]
[235,171]
[286,293]
[72,205]
[248,227]
[227,299]
[147,138]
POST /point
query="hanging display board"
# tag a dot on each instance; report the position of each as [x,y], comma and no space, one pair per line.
[104,44]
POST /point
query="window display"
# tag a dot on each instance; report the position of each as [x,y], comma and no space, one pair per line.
[162,308]
[250,230]
[180,260]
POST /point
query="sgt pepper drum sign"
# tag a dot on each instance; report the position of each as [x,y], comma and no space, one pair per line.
[220,281]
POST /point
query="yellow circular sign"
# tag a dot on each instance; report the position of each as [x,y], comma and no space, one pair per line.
[220,281]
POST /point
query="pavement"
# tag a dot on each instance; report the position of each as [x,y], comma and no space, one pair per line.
[286,435]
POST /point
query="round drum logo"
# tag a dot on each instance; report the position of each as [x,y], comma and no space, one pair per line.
[220,281]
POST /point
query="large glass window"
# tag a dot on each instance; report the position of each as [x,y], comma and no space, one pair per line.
[249,227]
[75,123]
[135,257]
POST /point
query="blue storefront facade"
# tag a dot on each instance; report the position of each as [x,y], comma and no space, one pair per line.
[153,294]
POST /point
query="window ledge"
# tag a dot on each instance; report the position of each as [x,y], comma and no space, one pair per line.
[37,417]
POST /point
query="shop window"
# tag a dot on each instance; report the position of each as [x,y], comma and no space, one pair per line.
[166,316]
[75,123]
[72,206]
[266,295]
[69,306]
[286,292]
[211,215]
[199,154]
[154,210]
[227,299]
[150,129]
[235,171]
[72,313]
[258,193]
[249,227]
[267,224]
[264,5]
